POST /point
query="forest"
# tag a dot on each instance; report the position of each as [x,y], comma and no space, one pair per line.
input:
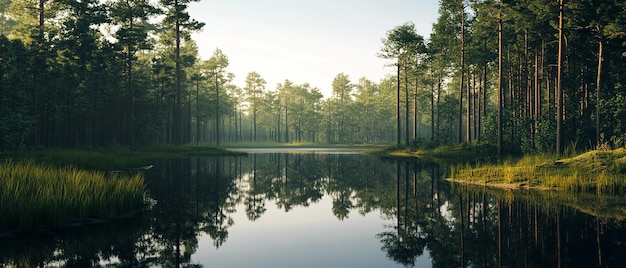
[526,76]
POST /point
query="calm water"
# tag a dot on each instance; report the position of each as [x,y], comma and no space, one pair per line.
[333,208]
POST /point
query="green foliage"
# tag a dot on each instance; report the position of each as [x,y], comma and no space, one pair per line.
[402,43]
[16,120]
[6,22]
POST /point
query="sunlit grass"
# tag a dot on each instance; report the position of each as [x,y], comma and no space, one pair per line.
[35,196]
[600,171]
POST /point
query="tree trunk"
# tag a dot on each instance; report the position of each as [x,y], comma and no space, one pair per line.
[432,113]
[474,110]
[537,102]
[278,125]
[500,91]
[438,100]
[254,118]
[406,105]
[177,116]
[197,112]
[328,138]
[415,122]
[598,80]
[235,137]
[188,122]
[559,89]
[398,137]
[286,124]
[129,85]
[462,66]
[217,110]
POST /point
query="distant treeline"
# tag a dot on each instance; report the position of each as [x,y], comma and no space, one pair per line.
[528,76]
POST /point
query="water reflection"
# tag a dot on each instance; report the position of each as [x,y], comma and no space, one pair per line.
[422,218]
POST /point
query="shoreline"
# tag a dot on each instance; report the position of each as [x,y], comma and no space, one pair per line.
[507,186]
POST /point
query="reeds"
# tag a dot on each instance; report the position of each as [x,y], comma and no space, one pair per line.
[35,196]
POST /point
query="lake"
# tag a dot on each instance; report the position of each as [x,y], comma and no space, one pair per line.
[333,208]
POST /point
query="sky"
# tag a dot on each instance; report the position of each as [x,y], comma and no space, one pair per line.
[306,41]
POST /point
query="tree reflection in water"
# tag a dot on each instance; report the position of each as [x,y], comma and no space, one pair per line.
[456,226]
[470,226]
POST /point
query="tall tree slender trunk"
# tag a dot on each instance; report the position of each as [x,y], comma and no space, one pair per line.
[197,112]
[129,83]
[286,125]
[415,122]
[328,137]
[188,121]
[474,115]
[484,96]
[176,131]
[233,134]
[217,109]
[438,105]
[549,83]
[598,80]
[278,125]
[539,94]
[254,117]
[432,113]
[500,91]
[38,77]
[398,137]
[406,106]
[559,89]
[462,66]
[537,101]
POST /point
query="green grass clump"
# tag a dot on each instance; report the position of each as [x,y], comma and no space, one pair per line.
[36,196]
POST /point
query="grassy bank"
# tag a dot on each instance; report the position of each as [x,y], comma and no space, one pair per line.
[37,196]
[51,188]
[443,154]
[600,170]
[272,144]
[114,159]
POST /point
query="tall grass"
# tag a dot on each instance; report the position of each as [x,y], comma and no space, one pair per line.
[35,196]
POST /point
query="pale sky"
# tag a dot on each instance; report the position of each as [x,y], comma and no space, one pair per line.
[306,41]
